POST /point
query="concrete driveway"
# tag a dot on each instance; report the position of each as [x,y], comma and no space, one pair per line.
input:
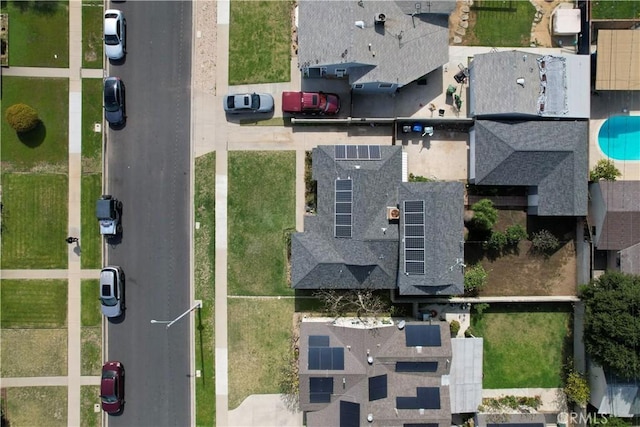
[265,410]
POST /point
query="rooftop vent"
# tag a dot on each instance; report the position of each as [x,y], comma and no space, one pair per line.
[393,213]
[379,18]
[520,81]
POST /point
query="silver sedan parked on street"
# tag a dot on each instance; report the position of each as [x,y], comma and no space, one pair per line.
[112,291]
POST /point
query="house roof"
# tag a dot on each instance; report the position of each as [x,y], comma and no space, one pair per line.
[465,378]
[373,255]
[516,83]
[402,50]
[548,155]
[618,60]
[386,345]
[612,395]
[620,228]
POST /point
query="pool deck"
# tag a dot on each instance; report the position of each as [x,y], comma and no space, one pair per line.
[604,105]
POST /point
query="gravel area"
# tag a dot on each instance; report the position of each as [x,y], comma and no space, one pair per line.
[204,53]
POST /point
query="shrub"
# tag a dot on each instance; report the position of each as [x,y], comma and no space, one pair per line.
[418,178]
[22,118]
[497,242]
[576,388]
[454,327]
[515,233]
[475,277]
[480,308]
[484,215]
[544,242]
[605,169]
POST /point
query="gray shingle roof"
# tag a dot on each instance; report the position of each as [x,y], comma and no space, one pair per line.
[549,155]
[385,345]
[465,378]
[402,50]
[373,257]
[620,227]
[557,89]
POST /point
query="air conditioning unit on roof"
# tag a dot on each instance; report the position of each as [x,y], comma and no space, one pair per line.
[379,18]
[393,213]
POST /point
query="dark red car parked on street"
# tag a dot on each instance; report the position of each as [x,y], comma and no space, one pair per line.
[112,387]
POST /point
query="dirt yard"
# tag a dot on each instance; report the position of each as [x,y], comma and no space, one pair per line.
[523,273]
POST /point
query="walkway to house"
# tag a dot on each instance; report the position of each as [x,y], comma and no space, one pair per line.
[553,399]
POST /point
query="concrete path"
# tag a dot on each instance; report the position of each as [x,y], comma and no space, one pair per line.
[74,274]
[265,410]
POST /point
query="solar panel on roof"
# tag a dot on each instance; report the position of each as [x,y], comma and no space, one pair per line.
[352,152]
[318,340]
[427,398]
[320,389]
[416,366]
[414,237]
[377,387]
[340,152]
[374,152]
[363,152]
[349,414]
[422,335]
[343,208]
[326,358]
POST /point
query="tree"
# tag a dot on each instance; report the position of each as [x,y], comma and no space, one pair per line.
[361,302]
[475,277]
[484,215]
[544,242]
[604,169]
[22,118]
[576,388]
[612,322]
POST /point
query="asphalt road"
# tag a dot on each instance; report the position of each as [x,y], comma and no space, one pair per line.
[148,169]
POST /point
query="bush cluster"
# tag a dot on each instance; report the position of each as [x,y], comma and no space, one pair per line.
[22,118]
[544,242]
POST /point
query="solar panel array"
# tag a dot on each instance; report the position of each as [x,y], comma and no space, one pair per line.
[358,152]
[427,398]
[422,336]
[377,387]
[416,366]
[349,414]
[414,237]
[344,206]
[320,389]
[323,357]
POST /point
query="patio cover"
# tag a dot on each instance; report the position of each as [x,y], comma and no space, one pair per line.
[618,60]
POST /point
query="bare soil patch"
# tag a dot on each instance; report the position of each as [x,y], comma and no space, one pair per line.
[33,353]
[523,272]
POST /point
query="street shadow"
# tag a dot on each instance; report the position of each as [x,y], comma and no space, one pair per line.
[34,137]
[77,250]
[200,328]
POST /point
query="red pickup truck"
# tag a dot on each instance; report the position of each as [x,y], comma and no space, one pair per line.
[310,103]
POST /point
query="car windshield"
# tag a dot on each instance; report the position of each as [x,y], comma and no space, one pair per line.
[255,101]
[111,39]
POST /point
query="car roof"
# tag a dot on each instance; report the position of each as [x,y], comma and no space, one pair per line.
[107,275]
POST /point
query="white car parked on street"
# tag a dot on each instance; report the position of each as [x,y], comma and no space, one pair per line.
[114,34]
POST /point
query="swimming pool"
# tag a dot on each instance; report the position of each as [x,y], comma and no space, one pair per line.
[619,137]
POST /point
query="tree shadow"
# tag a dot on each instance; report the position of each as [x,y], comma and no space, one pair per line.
[34,137]
[45,7]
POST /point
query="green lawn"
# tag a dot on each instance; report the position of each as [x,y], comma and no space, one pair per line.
[37,406]
[260,41]
[34,221]
[91,350]
[261,208]
[615,9]
[46,145]
[89,396]
[204,247]
[38,33]
[90,238]
[90,305]
[501,23]
[33,303]
[259,339]
[33,353]
[91,114]
[92,33]
[524,348]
